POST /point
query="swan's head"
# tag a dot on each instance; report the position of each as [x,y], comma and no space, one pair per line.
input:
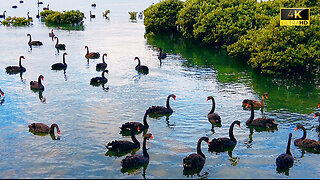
[28,34]
[105,54]
[249,104]
[86,47]
[209,97]
[237,123]
[299,126]
[265,95]
[41,77]
[55,37]
[106,71]
[159,49]
[206,139]
[65,54]
[148,136]
[21,57]
[136,58]
[317,114]
[173,96]
[2,94]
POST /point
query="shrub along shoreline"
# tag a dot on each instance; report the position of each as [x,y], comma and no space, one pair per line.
[247,29]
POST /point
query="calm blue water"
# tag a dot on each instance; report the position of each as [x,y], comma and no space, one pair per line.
[89,116]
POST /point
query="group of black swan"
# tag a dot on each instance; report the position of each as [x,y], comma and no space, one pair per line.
[193,162]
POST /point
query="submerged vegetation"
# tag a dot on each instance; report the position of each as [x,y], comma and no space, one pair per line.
[133,15]
[16,21]
[67,20]
[105,14]
[247,29]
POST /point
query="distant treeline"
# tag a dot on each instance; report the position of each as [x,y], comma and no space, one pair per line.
[247,29]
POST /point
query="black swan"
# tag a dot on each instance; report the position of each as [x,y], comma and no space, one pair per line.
[46,8]
[92,55]
[141,68]
[124,146]
[51,34]
[308,144]
[195,161]
[137,160]
[93,5]
[161,110]
[260,122]
[33,43]
[285,161]
[1,93]
[126,127]
[99,80]
[36,85]
[92,15]
[42,128]
[317,114]
[39,2]
[14,6]
[30,18]
[103,65]
[60,66]
[16,69]
[224,144]
[161,55]
[3,15]
[214,118]
[21,1]
[257,104]
[59,46]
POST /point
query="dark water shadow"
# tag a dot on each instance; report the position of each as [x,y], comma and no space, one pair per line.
[41,97]
[248,142]
[304,89]
[167,116]
[52,135]
[111,153]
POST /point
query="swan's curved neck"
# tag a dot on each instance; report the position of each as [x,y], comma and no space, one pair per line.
[29,38]
[103,74]
[199,148]
[288,146]
[145,123]
[138,62]
[20,62]
[262,101]
[144,148]
[57,40]
[252,113]
[133,137]
[103,58]
[87,49]
[52,128]
[304,133]
[213,106]
[231,133]
[39,80]
[64,59]
[168,105]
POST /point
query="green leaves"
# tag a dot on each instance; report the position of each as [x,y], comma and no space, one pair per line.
[162,16]
[16,21]
[67,19]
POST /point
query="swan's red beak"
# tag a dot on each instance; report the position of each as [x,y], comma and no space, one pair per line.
[208,142]
[151,137]
[239,126]
[247,105]
[296,129]
[315,116]
[59,133]
[138,128]
[174,98]
[319,105]
[42,79]
[2,94]
[22,57]
[207,99]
